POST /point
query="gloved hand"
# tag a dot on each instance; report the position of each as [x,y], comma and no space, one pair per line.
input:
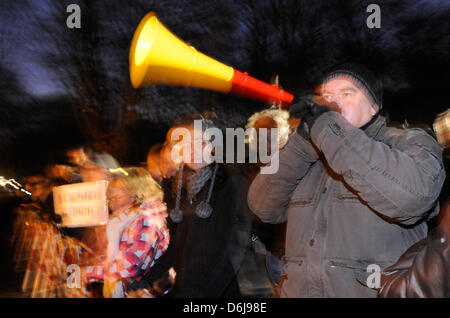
[309,111]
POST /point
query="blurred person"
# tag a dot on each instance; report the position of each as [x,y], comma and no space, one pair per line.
[354,191]
[93,166]
[159,165]
[169,167]
[260,273]
[41,196]
[154,162]
[79,156]
[38,186]
[94,173]
[209,217]
[424,269]
[61,174]
[268,119]
[286,125]
[136,232]
[98,167]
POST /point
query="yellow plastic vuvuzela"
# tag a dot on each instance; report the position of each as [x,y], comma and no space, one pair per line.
[157,56]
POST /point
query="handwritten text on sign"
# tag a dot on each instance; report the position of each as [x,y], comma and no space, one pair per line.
[81,204]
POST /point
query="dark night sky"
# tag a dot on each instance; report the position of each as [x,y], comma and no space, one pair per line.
[36,78]
[296,39]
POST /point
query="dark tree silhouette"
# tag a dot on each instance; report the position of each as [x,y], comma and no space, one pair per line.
[296,39]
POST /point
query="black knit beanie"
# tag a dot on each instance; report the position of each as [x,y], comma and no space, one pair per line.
[365,79]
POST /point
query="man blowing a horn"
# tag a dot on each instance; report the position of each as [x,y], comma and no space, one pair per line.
[355,192]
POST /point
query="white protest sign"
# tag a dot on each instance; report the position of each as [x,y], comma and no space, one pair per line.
[81,204]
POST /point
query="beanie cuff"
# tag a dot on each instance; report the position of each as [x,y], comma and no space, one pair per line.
[357,81]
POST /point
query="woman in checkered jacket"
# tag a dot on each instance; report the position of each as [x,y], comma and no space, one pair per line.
[136,232]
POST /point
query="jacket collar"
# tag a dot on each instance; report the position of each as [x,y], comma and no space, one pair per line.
[374,126]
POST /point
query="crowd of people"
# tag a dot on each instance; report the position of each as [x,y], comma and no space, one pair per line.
[350,192]
[186,254]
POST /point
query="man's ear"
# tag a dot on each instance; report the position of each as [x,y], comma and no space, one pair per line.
[374,109]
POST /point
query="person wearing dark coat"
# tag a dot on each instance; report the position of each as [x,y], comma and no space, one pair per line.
[424,269]
[209,222]
[209,250]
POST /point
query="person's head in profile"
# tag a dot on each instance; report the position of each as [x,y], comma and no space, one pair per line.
[154,162]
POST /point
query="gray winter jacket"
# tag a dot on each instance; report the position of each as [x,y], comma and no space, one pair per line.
[355,198]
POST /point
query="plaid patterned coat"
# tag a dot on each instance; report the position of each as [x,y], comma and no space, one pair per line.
[142,242]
